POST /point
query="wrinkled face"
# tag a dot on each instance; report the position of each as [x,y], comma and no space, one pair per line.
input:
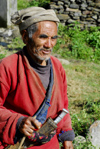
[44,39]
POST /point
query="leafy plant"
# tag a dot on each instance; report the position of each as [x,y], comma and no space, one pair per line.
[16,44]
[43,3]
[93,38]
[2,56]
[79,44]
[21,4]
[28,3]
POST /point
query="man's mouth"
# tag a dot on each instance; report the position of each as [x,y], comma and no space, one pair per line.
[46,51]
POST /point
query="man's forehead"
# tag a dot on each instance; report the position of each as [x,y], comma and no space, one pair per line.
[47,24]
[46,27]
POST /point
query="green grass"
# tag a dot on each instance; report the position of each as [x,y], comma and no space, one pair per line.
[83,79]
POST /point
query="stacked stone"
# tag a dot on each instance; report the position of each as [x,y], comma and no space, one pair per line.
[85,12]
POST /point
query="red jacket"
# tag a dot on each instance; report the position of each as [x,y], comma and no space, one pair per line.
[21,94]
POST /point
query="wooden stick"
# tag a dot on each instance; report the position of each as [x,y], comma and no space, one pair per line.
[21,143]
[23,139]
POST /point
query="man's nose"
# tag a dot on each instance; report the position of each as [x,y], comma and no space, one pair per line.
[48,43]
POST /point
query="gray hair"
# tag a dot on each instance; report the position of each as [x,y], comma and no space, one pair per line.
[32,29]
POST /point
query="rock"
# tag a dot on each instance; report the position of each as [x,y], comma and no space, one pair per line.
[72,10]
[2,30]
[95,17]
[98,20]
[75,18]
[90,8]
[79,1]
[83,17]
[84,22]
[60,3]
[86,12]
[72,0]
[89,19]
[92,4]
[94,134]
[90,25]
[63,16]
[97,10]
[15,32]
[70,21]
[97,1]
[66,6]
[6,33]
[63,61]
[84,5]
[61,11]
[67,2]
[79,140]
[78,14]
[53,6]
[74,6]
[97,5]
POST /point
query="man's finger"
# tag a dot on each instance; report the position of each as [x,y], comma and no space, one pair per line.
[36,123]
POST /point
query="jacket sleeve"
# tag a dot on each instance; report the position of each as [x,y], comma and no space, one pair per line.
[8,119]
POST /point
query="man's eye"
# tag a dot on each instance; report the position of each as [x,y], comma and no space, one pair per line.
[55,37]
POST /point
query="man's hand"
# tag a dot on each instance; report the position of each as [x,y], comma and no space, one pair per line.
[67,145]
[28,125]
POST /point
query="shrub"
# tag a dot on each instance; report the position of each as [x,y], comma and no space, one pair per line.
[28,3]
[93,38]
[16,44]
[2,56]
[79,44]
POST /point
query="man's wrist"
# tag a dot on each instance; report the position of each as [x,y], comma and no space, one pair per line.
[66,136]
[18,134]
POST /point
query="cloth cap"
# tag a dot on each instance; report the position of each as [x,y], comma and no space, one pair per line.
[26,17]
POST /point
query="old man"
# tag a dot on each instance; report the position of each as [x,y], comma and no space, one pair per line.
[31,79]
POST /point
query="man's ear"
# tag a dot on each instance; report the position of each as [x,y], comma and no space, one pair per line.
[24,36]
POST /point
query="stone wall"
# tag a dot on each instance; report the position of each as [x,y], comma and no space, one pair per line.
[86,12]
